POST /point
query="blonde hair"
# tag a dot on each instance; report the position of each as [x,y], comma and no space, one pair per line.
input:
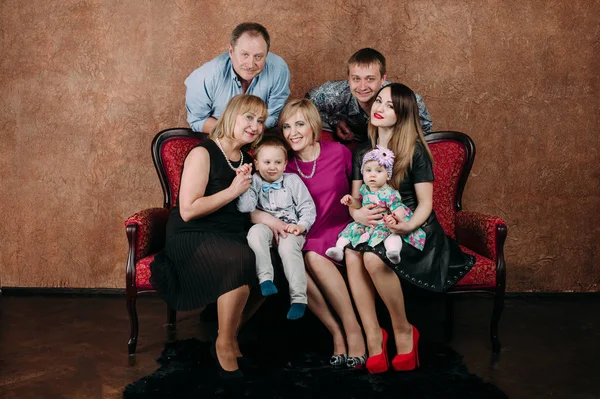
[270,140]
[238,105]
[310,112]
[406,132]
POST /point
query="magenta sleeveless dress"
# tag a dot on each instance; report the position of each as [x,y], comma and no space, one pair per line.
[327,186]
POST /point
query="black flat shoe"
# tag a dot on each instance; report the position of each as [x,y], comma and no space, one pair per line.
[246,364]
[232,378]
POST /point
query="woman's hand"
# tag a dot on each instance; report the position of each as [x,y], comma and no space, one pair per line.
[277,226]
[295,229]
[240,184]
[397,225]
[368,215]
[346,200]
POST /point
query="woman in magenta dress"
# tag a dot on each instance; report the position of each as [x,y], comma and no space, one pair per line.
[326,169]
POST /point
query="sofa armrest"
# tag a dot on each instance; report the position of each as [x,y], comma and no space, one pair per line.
[146,231]
[484,234]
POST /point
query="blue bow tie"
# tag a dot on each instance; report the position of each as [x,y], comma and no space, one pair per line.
[271,186]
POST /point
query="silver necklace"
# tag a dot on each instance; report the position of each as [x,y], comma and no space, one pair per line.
[227,159]
[313,168]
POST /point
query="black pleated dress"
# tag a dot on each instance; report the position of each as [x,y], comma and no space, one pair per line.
[206,257]
[441,263]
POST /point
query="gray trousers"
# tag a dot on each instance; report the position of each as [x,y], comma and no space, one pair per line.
[260,239]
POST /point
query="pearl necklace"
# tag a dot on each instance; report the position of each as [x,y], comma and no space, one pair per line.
[313,168]
[227,159]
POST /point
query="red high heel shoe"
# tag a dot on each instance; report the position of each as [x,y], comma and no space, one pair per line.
[379,363]
[408,361]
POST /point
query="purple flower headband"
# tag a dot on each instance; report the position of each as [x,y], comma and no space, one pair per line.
[383,156]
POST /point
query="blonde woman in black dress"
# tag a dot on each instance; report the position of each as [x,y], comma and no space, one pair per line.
[206,258]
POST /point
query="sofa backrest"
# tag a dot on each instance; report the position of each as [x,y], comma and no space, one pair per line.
[453,155]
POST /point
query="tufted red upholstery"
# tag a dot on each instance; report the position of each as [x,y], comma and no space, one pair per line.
[482,276]
[449,160]
[479,232]
[326,135]
[142,273]
[150,225]
[173,153]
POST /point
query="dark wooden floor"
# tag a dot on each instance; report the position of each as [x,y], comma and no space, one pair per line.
[75,347]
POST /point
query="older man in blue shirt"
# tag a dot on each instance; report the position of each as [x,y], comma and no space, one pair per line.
[247,67]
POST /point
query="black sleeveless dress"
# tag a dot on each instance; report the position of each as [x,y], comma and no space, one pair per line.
[441,263]
[206,257]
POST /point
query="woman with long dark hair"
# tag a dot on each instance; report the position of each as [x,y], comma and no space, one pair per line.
[394,124]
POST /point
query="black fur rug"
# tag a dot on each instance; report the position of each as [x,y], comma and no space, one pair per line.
[187,370]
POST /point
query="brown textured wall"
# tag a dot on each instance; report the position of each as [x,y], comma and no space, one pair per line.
[86,85]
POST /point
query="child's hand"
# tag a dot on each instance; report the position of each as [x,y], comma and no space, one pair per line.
[397,225]
[400,213]
[295,229]
[388,219]
[346,200]
[245,169]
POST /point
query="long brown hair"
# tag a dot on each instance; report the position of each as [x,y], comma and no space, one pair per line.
[406,132]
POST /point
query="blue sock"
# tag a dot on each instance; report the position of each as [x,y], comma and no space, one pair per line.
[296,311]
[268,288]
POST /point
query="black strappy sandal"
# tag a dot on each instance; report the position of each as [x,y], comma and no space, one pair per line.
[356,362]
[338,360]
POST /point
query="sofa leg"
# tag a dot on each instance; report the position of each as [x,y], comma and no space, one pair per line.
[498,308]
[449,321]
[133,321]
[171,324]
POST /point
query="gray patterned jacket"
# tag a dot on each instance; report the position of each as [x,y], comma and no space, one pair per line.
[291,203]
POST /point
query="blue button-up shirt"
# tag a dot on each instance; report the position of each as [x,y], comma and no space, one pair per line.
[210,87]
